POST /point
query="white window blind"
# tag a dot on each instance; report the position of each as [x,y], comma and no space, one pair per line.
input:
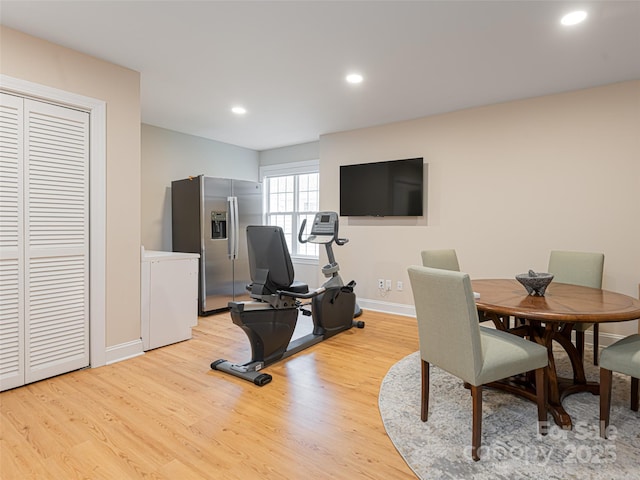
[291,196]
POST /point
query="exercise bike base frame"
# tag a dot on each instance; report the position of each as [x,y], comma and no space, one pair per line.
[252,372]
[259,319]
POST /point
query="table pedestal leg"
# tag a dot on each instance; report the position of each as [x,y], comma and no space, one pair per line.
[558,388]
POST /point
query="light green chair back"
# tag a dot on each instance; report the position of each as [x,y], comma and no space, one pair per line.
[445,259]
[448,325]
[577,268]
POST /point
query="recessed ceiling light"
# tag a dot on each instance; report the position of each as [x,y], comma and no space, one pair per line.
[239,110]
[354,78]
[573,18]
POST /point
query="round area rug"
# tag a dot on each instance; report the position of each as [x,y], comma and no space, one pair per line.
[511,447]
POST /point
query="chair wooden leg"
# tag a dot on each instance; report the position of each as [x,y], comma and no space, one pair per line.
[605,400]
[634,394]
[580,344]
[424,410]
[476,429]
[541,397]
[596,343]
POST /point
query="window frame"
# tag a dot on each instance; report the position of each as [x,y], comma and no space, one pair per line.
[287,169]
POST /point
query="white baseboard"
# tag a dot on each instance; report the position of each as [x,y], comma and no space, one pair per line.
[604,340]
[124,351]
[387,307]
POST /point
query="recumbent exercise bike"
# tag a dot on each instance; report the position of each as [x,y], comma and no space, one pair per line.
[269,320]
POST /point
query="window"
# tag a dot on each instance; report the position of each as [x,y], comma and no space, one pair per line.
[290,198]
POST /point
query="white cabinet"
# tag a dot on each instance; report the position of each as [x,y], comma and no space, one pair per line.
[169,289]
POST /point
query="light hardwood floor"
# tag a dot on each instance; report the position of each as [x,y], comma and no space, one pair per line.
[166,415]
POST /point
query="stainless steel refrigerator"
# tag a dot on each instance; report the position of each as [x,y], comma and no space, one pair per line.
[210,217]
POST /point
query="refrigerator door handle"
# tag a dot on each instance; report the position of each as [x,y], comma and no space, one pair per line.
[233,230]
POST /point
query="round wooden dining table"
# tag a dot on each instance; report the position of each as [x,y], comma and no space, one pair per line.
[550,319]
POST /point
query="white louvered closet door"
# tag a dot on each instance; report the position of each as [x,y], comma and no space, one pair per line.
[52,251]
[11,242]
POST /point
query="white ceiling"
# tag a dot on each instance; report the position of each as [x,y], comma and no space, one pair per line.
[286,61]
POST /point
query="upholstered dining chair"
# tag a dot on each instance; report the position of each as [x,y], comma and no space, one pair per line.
[579,268]
[622,357]
[445,259]
[451,338]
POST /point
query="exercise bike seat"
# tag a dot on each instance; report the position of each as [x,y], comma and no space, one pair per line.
[297,287]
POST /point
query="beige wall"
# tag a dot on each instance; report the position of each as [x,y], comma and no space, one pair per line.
[169,155]
[38,61]
[293,153]
[507,184]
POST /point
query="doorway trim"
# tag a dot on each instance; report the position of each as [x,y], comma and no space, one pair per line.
[97,199]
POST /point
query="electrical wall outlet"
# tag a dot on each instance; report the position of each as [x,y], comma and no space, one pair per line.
[399,285]
[381,283]
[388,285]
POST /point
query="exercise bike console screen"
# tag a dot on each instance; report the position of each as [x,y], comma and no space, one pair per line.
[325,224]
[324,219]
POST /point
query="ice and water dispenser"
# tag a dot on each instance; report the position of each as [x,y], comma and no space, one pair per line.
[218,225]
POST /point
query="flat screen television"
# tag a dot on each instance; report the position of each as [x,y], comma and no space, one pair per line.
[382,189]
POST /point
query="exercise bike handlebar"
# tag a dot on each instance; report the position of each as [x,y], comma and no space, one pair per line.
[324,232]
[300,239]
[323,237]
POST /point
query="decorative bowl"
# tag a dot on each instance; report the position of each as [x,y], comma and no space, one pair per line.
[535,283]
